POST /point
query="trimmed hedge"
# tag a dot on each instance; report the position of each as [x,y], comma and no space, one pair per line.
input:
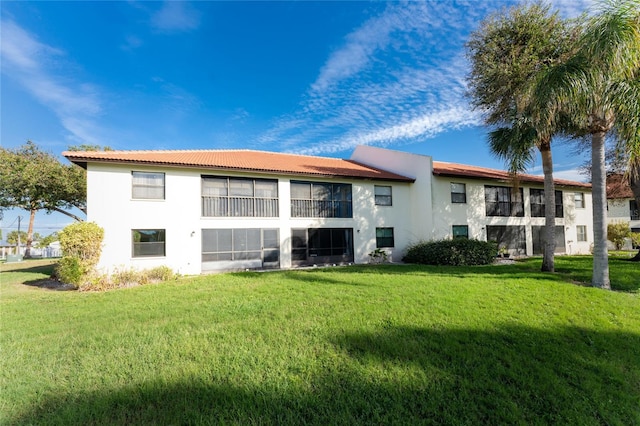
[457,252]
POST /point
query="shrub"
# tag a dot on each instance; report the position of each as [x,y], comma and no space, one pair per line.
[69,271]
[378,256]
[127,278]
[617,232]
[460,251]
[124,278]
[160,273]
[81,245]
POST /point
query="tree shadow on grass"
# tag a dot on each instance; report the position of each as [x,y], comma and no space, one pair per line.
[396,375]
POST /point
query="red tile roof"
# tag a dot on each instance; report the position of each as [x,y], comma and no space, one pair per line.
[618,187]
[473,172]
[239,160]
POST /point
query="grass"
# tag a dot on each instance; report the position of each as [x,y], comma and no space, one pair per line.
[356,345]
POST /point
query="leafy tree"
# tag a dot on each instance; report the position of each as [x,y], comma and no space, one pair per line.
[599,89]
[12,237]
[618,232]
[46,241]
[34,180]
[507,54]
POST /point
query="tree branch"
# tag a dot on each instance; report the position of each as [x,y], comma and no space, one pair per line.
[71,215]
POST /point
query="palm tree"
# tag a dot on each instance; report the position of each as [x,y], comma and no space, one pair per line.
[516,145]
[508,54]
[598,89]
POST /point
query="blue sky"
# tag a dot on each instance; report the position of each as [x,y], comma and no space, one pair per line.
[313,78]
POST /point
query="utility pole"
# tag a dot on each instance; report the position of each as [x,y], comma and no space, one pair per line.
[18,251]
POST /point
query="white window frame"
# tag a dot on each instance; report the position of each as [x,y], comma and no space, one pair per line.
[380,199]
[581,236]
[148,187]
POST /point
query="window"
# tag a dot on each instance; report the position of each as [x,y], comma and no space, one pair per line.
[581,230]
[384,237]
[460,231]
[321,245]
[538,239]
[382,195]
[578,199]
[536,199]
[240,244]
[634,212]
[147,186]
[148,242]
[458,193]
[311,199]
[501,201]
[513,238]
[239,197]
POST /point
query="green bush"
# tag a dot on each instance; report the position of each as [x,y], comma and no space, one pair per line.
[81,245]
[457,252]
[617,232]
[70,271]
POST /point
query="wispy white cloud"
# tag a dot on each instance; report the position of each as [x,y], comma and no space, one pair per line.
[400,77]
[176,16]
[576,174]
[423,127]
[176,98]
[29,62]
[574,8]
[392,81]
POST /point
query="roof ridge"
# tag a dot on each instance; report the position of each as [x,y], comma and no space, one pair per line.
[173,151]
[506,171]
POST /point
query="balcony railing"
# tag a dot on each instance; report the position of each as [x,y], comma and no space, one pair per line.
[635,214]
[321,208]
[239,207]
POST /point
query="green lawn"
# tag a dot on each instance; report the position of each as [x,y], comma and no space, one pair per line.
[369,345]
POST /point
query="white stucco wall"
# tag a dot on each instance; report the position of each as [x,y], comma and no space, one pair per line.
[110,204]
[419,202]
[473,213]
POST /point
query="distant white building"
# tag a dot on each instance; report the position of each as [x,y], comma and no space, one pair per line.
[200,211]
[621,205]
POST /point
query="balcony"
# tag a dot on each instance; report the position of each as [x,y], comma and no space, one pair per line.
[239,207]
[321,208]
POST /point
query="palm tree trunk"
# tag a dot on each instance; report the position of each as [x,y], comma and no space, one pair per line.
[549,246]
[634,183]
[32,219]
[598,184]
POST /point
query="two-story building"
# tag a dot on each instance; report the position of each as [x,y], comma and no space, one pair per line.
[201,211]
[621,204]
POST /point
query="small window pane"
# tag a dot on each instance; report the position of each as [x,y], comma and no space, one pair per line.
[382,195]
[321,191]
[460,231]
[301,191]
[266,189]
[270,238]
[147,185]
[582,232]
[579,200]
[458,193]
[214,187]
[148,242]
[384,237]
[241,187]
